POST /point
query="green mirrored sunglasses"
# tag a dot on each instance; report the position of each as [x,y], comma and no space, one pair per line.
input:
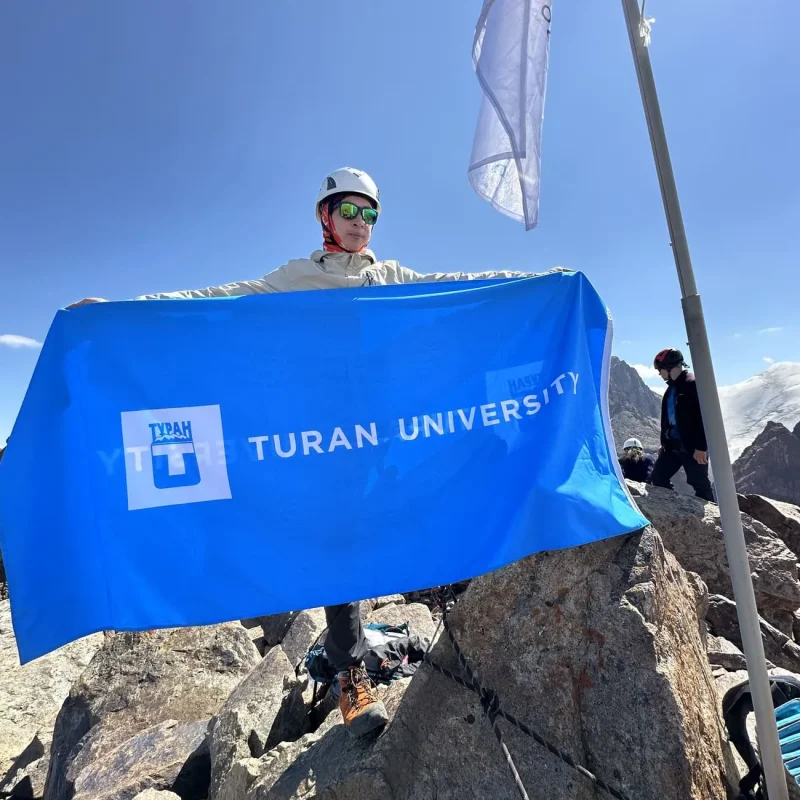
[351,211]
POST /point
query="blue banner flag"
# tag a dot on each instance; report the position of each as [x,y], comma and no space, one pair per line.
[187,462]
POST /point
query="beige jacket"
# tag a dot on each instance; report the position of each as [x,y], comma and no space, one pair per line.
[331,271]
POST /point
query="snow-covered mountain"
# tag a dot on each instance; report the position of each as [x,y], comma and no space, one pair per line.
[771,396]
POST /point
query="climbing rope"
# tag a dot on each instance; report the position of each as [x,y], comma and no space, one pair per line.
[490,702]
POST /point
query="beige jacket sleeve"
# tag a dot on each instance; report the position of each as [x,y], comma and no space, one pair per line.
[410,276]
[236,289]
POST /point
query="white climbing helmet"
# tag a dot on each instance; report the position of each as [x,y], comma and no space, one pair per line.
[629,443]
[349,181]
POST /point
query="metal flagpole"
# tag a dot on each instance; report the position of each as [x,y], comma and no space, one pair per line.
[712,416]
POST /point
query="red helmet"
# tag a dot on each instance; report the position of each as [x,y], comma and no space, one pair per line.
[668,359]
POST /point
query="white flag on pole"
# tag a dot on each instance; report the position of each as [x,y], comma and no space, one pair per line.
[510,51]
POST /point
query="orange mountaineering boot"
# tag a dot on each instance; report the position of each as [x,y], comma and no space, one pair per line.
[362,710]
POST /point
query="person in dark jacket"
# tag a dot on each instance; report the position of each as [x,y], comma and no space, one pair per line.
[636,464]
[683,438]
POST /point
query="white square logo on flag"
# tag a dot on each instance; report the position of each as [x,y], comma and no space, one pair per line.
[174,456]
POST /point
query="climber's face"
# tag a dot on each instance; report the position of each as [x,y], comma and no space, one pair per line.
[354,233]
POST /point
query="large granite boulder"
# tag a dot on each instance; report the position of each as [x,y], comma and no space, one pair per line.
[779,648]
[782,518]
[170,755]
[692,531]
[597,648]
[265,709]
[30,698]
[135,682]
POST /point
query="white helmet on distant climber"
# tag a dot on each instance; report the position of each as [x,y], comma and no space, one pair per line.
[348,181]
[630,443]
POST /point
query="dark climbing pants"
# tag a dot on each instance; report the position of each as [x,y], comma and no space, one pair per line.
[345,644]
[670,461]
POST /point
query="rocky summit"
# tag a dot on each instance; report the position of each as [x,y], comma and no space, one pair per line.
[613,656]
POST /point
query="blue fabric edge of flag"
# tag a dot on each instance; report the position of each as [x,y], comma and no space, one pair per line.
[605,376]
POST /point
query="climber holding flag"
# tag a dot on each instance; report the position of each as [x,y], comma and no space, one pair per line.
[348,207]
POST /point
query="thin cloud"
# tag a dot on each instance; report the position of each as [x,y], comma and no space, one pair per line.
[645,372]
[769,330]
[16,342]
[768,360]
[737,335]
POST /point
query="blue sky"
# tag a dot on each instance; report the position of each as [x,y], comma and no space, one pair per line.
[153,146]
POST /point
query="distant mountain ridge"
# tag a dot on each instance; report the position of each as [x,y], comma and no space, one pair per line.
[635,409]
[770,466]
